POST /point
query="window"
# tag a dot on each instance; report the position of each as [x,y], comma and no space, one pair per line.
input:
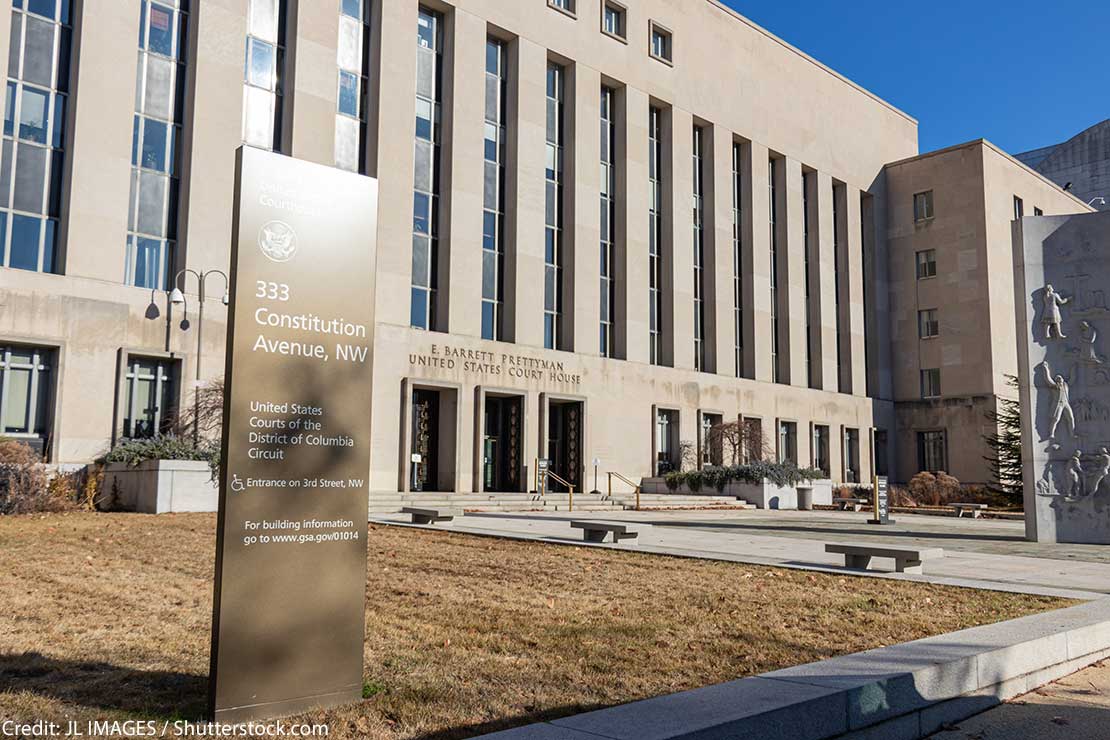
[1038,211]
[264,75]
[930,383]
[927,324]
[821,456]
[737,259]
[840,227]
[923,206]
[772,220]
[608,220]
[712,443]
[24,391]
[34,134]
[666,446]
[753,440]
[808,278]
[155,166]
[426,185]
[150,400]
[661,43]
[1019,208]
[353,63]
[613,20]
[567,6]
[932,451]
[655,234]
[926,264]
[851,456]
[553,245]
[788,442]
[700,351]
[493,214]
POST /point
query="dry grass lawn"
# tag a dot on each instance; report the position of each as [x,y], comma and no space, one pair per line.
[107,616]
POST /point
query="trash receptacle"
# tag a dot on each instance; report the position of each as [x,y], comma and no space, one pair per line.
[805,498]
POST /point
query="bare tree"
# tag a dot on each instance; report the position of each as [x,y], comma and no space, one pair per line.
[205,413]
[738,442]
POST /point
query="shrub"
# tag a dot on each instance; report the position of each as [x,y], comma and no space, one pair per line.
[27,486]
[132,452]
[779,474]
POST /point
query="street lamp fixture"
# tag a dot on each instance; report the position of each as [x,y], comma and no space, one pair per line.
[1099,200]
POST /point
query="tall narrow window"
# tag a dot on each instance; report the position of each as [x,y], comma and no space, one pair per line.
[264,75]
[807,276]
[737,259]
[425,210]
[553,245]
[608,216]
[1019,208]
[150,398]
[155,160]
[24,391]
[34,134]
[655,235]
[773,221]
[838,288]
[699,252]
[353,61]
[493,214]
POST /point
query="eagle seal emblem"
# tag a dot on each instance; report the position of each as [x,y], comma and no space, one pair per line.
[278,241]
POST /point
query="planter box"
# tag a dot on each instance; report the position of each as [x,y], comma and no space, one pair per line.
[161,486]
[765,495]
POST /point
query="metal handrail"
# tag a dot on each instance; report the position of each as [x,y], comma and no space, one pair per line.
[621,477]
[568,484]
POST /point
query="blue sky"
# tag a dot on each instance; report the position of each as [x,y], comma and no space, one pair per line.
[1023,74]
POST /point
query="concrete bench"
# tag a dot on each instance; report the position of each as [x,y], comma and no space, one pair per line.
[847,502]
[906,560]
[974,509]
[594,531]
[431,516]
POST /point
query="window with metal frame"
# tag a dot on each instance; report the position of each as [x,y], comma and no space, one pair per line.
[24,390]
[923,206]
[264,74]
[655,235]
[926,264]
[608,220]
[700,350]
[353,63]
[928,324]
[426,178]
[737,259]
[930,383]
[35,134]
[150,397]
[613,20]
[553,239]
[661,43]
[493,214]
[155,144]
[932,451]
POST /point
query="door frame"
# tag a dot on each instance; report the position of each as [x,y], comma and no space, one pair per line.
[480,394]
[408,385]
[545,415]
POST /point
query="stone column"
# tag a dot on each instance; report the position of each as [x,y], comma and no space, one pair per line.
[633,206]
[582,194]
[678,236]
[823,301]
[313,68]
[719,194]
[464,180]
[792,285]
[756,279]
[524,197]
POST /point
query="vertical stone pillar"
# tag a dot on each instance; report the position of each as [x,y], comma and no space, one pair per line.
[464,167]
[524,197]
[792,285]
[582,193]
[823,260]
[632,270]
[757,263]
[721,304]
[313,68]
[678,236]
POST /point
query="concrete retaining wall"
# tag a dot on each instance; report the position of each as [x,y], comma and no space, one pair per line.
[161,486]
[900,692]
[765,495]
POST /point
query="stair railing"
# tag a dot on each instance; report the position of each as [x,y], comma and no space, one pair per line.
[559,479]
[628,482]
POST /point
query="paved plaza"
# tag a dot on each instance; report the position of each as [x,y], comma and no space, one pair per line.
[982,553]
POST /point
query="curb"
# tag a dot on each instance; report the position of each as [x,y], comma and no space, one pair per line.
[906,691]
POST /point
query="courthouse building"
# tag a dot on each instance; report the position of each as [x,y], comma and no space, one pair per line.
[603,228]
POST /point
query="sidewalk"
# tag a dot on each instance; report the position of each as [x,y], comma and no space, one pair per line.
[1074,708]
[978,553]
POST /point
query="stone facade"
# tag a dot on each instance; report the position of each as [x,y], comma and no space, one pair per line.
[1063,266]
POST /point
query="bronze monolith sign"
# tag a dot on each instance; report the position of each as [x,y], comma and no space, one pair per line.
[288,614]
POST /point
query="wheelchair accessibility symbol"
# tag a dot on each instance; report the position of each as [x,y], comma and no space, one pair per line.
[237,484]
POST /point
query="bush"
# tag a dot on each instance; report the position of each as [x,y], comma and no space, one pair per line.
[779,474]
[27,485]
[132,452]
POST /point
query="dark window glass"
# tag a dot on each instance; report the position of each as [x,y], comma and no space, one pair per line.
[24,252]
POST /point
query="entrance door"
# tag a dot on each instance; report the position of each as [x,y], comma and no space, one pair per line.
[424,460]
[501,444]
[564,442]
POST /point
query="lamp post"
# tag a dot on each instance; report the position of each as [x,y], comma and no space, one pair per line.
[177,298]
[1100,200]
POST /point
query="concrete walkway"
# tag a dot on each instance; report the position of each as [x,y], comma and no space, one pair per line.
[1074,708]
[978,553]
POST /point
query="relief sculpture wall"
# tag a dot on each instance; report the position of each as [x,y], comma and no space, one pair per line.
[1062,280]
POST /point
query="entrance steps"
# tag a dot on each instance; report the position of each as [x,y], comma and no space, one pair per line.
[391,502]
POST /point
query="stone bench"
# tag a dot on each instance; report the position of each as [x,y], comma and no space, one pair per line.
[974,509]
[595,531]
[906,559]
[846,502]
[431,516]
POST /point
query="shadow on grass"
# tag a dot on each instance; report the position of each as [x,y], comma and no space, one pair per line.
[835,532]
[105,686]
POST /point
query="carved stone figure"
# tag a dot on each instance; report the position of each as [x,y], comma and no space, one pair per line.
[1090,336]
[1075,475]
[1053,318]
[1061,409]
[1102,472]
